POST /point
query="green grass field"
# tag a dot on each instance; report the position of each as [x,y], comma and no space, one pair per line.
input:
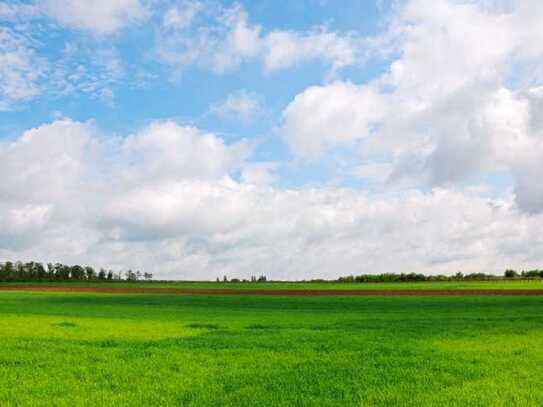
[67,349]
[496,284]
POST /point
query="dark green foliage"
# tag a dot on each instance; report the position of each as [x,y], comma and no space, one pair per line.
[416,277]
[510,273]
[532,274]
[34,271]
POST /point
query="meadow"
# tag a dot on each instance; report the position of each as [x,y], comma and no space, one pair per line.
[422,285]
[67,349]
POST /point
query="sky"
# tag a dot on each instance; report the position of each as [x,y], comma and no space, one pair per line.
[294,139]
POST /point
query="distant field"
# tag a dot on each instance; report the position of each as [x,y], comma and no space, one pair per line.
[70,349]
[498,284]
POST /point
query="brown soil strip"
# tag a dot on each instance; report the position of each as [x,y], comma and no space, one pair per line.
[282,292]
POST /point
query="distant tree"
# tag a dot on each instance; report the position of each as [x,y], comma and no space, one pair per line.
[509,273]
[9,270]
[102,274]
[110,275]
[90,273]
[50,271]
[225,279]
[130,275]
[148,276]
[531,274]
[77,272]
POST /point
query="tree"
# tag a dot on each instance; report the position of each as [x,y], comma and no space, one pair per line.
[77,272]
[510,273]
[90,273]
[9,270]
[130,275]
[50,271]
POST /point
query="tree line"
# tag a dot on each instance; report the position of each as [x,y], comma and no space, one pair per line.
[406,277]
[35,271]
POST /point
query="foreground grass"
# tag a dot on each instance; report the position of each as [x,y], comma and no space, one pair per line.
[68,349]
[495,284]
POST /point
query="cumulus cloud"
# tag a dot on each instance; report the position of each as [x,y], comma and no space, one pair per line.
[324,116]
[460,97]
[168,151]
[19,225]
[187,38]
[166,200]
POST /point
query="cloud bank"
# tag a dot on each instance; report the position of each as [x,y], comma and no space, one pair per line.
[168,199]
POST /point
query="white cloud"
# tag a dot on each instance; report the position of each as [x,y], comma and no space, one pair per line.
[17,11]
[181,14]
[95,72]
[47,163]
[261,174]
[163,200]
[456,100]
[219,47]
[324,116]
[240,105]
[231,39]
[167,151]
[21,69]
[20,224]
[283,49]
[379,172]
[26,73]
[98,16]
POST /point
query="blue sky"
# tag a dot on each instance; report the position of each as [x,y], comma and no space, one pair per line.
[188,96]
[338,128]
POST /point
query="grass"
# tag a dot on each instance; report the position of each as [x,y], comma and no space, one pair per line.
[70,349]
[495,284]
